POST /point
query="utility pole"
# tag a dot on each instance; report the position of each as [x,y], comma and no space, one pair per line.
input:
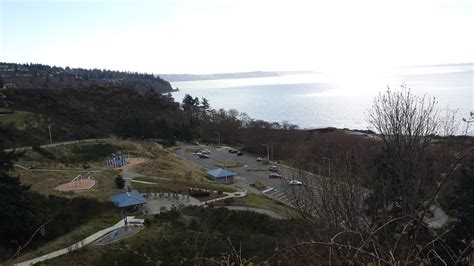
[268,151]
[49,129]
[219,136]
[200,131]
[273,157]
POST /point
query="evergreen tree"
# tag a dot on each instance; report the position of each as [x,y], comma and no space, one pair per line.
[16,221]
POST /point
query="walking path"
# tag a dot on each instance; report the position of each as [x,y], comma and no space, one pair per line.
[272,214]
[18,149]
[92,238]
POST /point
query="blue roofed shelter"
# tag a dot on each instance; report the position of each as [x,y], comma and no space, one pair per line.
[222,175]
[129,200]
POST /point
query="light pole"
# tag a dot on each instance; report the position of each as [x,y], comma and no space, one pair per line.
[219,136]
[329,164]
[268,151]
[200,131]
[49,129]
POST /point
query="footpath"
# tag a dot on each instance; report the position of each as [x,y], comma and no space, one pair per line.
[90,239]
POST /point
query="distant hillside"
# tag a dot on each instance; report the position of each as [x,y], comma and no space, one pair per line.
[89,112]
[43,76]
[240,75]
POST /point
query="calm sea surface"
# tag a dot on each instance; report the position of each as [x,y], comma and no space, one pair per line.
[331,100]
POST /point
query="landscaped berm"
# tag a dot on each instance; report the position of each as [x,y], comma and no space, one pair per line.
[77,184]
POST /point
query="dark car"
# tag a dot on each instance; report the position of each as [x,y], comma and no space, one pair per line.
[274,175]
[273,168]
[240,153]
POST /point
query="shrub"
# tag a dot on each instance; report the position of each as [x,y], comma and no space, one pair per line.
[229,200]
[199,193]
[119,182]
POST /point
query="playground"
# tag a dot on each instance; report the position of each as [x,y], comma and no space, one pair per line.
[77,184]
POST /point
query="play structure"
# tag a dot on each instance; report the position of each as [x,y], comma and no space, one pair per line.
[78,183]
[117,160]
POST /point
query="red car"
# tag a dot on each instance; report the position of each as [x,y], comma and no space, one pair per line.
[275,175]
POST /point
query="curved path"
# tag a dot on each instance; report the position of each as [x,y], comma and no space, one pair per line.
[90,239]
[127,173]
[272,214]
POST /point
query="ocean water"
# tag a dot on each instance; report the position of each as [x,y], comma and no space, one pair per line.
[331,99]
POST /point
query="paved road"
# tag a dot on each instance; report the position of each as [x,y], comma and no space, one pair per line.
[56,144]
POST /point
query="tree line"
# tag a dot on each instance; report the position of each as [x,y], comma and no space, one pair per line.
[53,77]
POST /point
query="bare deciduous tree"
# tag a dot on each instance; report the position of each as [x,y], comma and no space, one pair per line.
[412,171]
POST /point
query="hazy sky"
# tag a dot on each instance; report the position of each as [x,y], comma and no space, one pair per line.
[229,36]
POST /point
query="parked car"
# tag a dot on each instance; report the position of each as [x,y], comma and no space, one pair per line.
[274,175]
[197,153]
[259,159]
[206,151]
[273,168]
[233,151]
[295,182]
[204,156]
[240,153]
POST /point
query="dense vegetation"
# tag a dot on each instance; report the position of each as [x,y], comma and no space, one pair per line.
[94,113]
[199,236]
[53,77]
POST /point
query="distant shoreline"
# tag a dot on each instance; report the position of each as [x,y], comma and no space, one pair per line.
[236,75]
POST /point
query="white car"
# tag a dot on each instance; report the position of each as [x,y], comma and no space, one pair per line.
[295,182]
[205,151]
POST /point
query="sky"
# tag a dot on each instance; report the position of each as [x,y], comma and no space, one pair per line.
[217,36]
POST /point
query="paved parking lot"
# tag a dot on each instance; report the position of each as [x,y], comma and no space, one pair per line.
[306,197]
[249,172]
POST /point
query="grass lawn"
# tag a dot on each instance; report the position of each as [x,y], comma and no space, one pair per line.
[18,118]
[258,201]
[107,219]
[195,184]
[170,165]
[45,181]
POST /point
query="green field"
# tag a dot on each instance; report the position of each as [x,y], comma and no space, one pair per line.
[18,118]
